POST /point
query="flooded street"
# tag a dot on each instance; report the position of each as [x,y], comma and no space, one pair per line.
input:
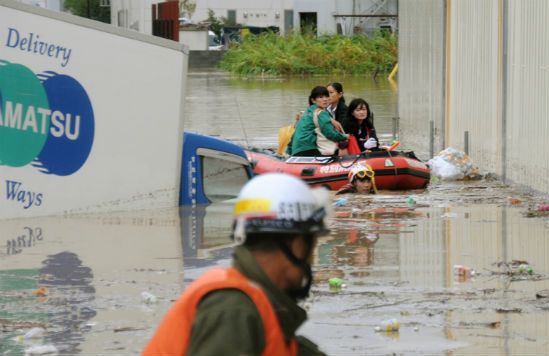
[462,265]
[399,262]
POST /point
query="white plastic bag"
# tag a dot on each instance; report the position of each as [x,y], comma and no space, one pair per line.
[452,164]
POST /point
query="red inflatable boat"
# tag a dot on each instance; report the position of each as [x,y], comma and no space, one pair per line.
[394,170]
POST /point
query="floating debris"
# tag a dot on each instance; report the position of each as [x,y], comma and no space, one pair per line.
[42,350]
[11,325]
[34,333]
[336,284]
[514,201]
[537,212]
[148,298]
[452,164]
[41,292]
[410,201]
[508,310]
[463,271]
[127,328]
[389,325]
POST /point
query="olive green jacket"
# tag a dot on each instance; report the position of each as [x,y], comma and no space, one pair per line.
[304,137]
[228,323]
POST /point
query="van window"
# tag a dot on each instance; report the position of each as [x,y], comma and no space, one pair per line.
[222,179]
[213,40]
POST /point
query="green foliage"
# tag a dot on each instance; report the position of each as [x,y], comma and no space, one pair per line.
[216,24]
[187,7]
[272,54]
[89,9]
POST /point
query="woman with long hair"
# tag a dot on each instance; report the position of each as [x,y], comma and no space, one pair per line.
[359,122]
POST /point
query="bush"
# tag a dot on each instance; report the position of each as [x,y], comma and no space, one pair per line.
[272,54]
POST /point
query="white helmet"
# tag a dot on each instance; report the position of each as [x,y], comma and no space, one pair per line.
[277,203]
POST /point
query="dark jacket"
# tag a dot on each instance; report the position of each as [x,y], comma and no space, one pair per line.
[340,112]
[228,323]
[361,132]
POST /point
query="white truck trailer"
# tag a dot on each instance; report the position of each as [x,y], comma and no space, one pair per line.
[91,123]
[91,115]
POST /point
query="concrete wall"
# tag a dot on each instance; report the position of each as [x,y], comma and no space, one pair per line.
[195,40]
[204,60]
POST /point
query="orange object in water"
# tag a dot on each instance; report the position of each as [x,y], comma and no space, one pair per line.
[41,292]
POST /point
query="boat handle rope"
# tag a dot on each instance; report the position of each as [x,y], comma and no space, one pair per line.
[352,163]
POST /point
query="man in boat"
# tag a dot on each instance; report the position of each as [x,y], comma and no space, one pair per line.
[361,180]
[251,308]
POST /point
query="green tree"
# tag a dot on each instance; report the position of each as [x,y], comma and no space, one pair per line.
[89,9]
[216,24]
[187,7]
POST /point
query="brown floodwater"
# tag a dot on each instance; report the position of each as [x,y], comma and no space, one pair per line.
[463,268]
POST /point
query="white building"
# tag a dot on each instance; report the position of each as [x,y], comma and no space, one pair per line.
[326,16]
[346,17]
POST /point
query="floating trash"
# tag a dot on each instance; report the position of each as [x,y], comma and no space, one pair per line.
[42,350]
[463,272]
[452,164]
[524,268]
[389,325]
[148,298]
[336,284]
[41,292]
[514,201]
[410,201]
[34,333]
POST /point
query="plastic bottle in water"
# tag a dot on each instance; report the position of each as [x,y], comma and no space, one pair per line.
[389,325]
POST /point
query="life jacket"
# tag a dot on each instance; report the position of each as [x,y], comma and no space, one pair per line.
[173,335]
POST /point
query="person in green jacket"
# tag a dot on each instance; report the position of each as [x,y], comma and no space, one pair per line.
[277,219]
[304,140]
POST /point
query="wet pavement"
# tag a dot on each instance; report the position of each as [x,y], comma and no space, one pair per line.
[462,266]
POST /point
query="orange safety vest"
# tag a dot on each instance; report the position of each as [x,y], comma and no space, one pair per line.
[173,335]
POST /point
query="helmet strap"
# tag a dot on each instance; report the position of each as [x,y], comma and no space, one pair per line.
[303,291]
[239,234]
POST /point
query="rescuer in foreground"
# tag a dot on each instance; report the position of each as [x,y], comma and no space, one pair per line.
[251,308]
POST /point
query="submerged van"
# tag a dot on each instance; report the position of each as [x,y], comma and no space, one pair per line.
[214,43]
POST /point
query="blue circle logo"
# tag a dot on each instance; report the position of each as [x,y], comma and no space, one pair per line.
[57,121]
